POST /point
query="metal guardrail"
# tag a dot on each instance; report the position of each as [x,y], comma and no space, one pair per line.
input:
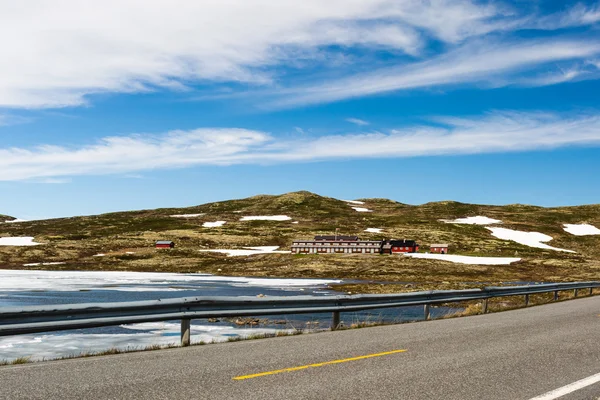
[35,319]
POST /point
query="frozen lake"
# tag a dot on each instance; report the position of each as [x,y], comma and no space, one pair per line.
[27,288]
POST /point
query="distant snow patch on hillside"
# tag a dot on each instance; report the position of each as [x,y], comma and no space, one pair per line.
[266,218]
[14,221]
[361,209]
[186,215]
[43,263]
[249,251]
[354,202]
[215,224]
[531,239]
[581,229]
[18,241]
[373,230]
[466,259]
[295,222]
[478,220]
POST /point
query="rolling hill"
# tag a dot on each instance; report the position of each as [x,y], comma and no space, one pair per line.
[126,239]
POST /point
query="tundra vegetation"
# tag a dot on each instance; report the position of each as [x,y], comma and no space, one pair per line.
[127,241]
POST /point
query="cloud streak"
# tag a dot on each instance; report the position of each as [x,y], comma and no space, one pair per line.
[494,132]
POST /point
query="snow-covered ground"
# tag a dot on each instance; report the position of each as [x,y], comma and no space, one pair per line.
[249,251]
[362,209]
[373,230]
[23,280]
[215,224]
[531,239]
[581,229]
[48,346]
[14,221]
[266,218]
[186,215]
[18,241]
[354,202]
[478,220]
[466,259]
[43,263]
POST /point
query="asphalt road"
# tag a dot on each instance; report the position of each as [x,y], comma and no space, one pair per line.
[518,354]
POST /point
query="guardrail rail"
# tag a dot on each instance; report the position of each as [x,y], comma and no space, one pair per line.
[35,319]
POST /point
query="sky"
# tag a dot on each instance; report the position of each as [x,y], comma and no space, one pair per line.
[130,104]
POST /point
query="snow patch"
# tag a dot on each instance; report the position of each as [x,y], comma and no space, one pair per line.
[295,222]
[466,259]
[215,224]
[361,209]
[581,229]
[531,239]
[249,251]
[354,202]
[373,230]
[18,241]
[25,280]
[43,263]
[186,215]
[14,221]
[479,220]
[266,218]
[99,255]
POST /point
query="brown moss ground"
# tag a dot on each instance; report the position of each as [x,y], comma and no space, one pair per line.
[75,241]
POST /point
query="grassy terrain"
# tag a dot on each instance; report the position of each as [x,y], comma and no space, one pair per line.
[76,240]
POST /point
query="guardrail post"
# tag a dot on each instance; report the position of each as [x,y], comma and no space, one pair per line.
[426,312]
[526,300]
[576,292]
[185,331]
[555,295]
[484,306]
[591,291]
[335,323]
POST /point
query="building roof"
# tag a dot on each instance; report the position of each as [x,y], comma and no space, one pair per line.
[438,245]
[337,237]
[401,243]
[164,242]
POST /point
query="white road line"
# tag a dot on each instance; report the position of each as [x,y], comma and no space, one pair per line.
[556,393]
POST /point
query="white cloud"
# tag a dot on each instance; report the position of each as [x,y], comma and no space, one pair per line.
[356,121]
[494,132]
[474,63]
[55,53]
[578,15]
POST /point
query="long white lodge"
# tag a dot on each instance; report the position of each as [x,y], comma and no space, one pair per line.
[336,246]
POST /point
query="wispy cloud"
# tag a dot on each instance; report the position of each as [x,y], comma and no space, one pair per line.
[494,132]
[475,63]
[356,121]
[61,52]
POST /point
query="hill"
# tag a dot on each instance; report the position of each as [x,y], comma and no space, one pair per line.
[4,218]
[126,240]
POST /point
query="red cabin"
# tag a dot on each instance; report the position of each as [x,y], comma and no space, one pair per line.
[165,244]
[439,248]
[399,246]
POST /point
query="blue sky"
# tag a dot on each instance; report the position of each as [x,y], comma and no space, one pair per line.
[128,105]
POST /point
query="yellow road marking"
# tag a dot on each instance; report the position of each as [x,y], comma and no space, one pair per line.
[279,371]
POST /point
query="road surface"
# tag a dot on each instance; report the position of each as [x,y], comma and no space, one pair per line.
[543,352]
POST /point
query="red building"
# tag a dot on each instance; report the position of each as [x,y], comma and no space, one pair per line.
[165,244]
[399,246]
[439,248]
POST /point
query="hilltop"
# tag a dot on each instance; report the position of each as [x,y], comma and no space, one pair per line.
[126,239]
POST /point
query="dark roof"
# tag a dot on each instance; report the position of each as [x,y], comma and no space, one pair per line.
[402,243]
[337,237]
[164,242]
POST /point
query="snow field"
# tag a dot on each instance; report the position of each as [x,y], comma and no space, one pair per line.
[266,218]
[18,241]
[373,230]
[531,239]
[362,209]
[466,259]
[354,202]
[581,229]
[249,251]
[215,224]
[478,220]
